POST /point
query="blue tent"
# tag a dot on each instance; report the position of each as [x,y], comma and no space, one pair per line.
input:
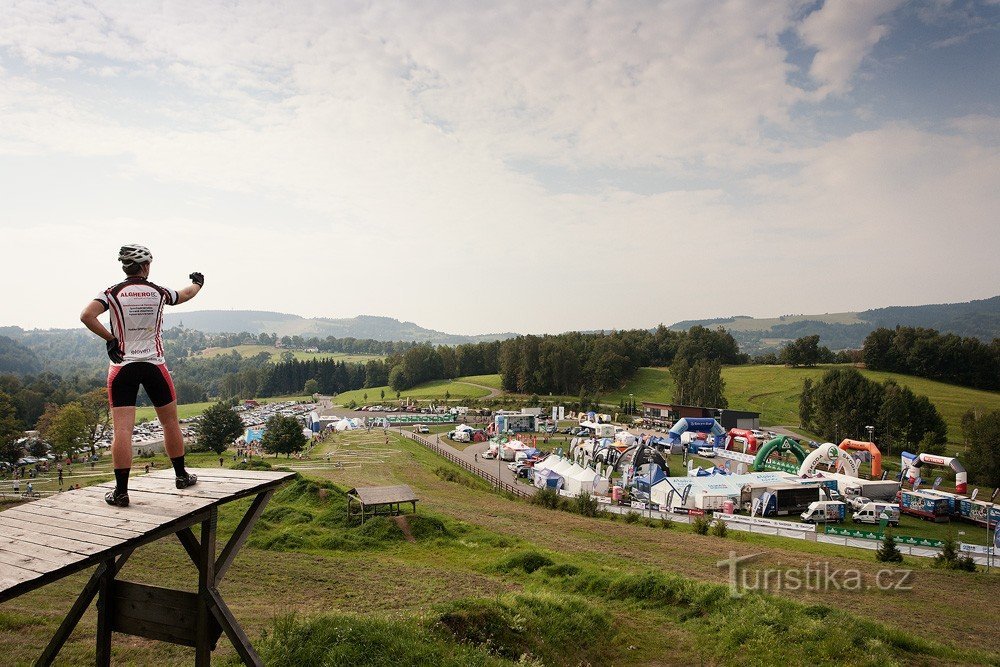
[546,479]
[644,479]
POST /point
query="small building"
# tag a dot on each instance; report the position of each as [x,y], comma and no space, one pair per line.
[371,499]
[515,423]
[667,413]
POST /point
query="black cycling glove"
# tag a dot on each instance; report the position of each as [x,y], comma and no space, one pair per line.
[114,353]
[198,279]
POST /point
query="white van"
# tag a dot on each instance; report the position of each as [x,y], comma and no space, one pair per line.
[872,513]
[825,511]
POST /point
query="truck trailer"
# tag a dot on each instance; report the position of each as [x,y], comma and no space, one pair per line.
[783,499]
[924,505]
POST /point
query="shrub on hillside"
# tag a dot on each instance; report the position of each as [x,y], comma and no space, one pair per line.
[888,552]
[950,559]
[586,504]
[253,464]
[546,498]
[528,561]
[700,525]
[719,528]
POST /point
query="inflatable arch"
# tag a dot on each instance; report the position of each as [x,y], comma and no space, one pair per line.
[701,425]
[636,456]
[831,454]
[780,444]
[869,447]
[742,436]
[913,462]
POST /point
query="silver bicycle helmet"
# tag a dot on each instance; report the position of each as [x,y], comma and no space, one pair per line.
[134,254]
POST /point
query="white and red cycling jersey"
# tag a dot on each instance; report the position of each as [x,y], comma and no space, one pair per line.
[136,307]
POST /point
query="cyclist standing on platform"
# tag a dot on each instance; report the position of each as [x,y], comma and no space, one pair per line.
[135,347]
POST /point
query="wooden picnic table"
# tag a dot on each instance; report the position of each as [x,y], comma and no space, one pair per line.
[48,539]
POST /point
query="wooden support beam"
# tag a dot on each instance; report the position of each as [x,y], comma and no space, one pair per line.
[190,543]
[235,542]
[104,609]
[206,582]
[233,630]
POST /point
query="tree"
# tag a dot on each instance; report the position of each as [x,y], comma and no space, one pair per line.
[699,384]
[218,427]
[984,448]
[68,429]
[311,387]
[283,435]
[381,395]
[98,410]
[10,430]
[804,351]
[806,403]
[888,552]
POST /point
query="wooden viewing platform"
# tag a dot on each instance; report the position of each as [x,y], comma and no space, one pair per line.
[48,539]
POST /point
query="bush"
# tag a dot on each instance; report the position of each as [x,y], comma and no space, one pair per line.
[700,525]
[950,559]
[667,524]
[529,561]
[586,504]
[253,464]
[630,517]
[719,528]
[888,552]
[547,497]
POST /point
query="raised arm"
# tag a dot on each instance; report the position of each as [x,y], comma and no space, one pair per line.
[189,292]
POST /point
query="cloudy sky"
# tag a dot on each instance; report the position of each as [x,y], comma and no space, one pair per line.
[480,167]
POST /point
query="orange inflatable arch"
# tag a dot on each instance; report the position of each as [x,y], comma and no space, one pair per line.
[870,447]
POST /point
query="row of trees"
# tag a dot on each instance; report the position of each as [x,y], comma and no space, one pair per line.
[68,427]
[575,362]
[843,402]
[927,353]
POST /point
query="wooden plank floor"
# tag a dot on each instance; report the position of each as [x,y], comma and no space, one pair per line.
[44,540]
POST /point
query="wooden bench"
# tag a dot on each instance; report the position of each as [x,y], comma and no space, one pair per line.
[48,539]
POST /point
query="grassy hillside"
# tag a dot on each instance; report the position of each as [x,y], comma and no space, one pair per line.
[742,323]
[774,392]
[428,390]
[487,580]
[277,353]
[484,380]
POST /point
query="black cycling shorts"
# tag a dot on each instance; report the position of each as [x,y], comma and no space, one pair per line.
[124,381]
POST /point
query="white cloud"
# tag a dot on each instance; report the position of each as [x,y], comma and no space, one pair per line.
[336,159]
[843,32]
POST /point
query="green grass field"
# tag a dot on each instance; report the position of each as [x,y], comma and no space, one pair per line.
[487,579]
[277,353]
[774,392]
[492,381]
[429,390]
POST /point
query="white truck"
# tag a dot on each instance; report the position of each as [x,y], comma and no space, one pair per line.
[825,511]
[872,513]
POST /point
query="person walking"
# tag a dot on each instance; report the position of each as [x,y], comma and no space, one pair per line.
[135,347]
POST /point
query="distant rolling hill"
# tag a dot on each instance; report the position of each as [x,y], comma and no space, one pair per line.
[840,331]
[283,324]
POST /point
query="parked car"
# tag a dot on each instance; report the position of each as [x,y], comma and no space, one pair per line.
[420,428]
[858,502]
[706,452]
